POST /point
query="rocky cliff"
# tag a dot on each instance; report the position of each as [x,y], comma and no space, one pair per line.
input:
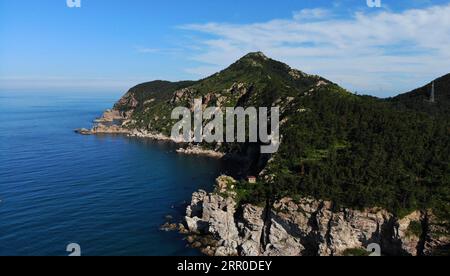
[355,151]
[305,227]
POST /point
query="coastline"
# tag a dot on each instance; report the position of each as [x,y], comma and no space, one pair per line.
[218,225]
[100,128]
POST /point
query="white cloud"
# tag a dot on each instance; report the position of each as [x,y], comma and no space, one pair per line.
[308,14]
[381,53]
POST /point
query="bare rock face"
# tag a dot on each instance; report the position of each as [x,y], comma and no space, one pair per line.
[289,224]
[103,129]
[238,89]
[196,207]
[251,230]
[109,116]
[219,213]
[352,229]
[182,95]
[318,230]
[128,101]
[216,219]
[282,242]
[195,150]
[410,231]
[307,227]
[437,238]
[111,129]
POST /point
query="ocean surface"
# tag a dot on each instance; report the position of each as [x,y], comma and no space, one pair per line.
[109,194]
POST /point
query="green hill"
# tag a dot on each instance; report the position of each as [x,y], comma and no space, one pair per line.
[357,151]
[419,99]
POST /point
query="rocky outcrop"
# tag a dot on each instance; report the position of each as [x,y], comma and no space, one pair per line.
[112,121]
[109,129]
[409,232]
[304,227]
[238,90]
[110,116]
[128,103]
[194,150]
[181,95]
[103,129]
[149,135]
[83,131]
[437,236]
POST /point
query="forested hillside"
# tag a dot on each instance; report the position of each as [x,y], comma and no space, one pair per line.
[356,151]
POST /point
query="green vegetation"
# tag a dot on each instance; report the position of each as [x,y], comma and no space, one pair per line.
[414,229]
[389,158]
[356,151]
[418,99]
[251,193]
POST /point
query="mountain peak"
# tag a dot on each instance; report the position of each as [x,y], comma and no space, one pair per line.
[256,55]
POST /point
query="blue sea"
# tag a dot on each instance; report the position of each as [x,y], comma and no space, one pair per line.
[109,194]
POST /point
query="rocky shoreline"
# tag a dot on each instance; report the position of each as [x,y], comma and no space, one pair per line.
[218,226]
[195,150]
[110,116]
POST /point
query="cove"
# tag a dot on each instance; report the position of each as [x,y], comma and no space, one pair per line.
[109,194]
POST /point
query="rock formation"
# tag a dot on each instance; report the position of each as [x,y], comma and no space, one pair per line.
[374,152]
[304,227]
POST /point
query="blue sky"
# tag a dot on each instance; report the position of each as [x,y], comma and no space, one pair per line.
[110,45]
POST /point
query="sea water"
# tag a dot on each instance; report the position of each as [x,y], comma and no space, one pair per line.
[109,194]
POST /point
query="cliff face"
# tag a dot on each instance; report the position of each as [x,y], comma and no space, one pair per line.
[356,151]
[307,227]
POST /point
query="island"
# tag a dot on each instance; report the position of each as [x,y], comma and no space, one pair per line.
[351,171]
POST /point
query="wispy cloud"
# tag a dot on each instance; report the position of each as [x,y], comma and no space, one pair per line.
[308,14]
[380,52]
[146,50]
